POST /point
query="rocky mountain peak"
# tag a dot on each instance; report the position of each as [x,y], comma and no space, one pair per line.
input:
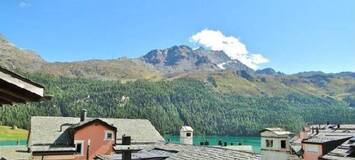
[269,71]
[15,58]
[169,56]
[182,58]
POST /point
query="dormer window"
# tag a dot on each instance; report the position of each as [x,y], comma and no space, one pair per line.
[108,135]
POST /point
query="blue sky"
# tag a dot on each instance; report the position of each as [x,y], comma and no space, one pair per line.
[294,35]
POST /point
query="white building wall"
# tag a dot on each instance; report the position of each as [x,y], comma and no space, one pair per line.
[275,152]
[276,144]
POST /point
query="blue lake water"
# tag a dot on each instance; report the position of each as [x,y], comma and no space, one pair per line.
[254,141]
[12,143]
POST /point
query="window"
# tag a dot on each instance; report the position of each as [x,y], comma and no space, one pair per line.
[269,143]
[79,147]
[108,135]
[283,144]
[188,134]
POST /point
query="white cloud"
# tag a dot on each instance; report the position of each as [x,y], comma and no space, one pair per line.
[24,4]
[216,40]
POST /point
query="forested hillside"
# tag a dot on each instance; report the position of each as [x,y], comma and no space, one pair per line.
[180,85]
[168,104]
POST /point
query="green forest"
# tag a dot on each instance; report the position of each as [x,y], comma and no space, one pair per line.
[168,104]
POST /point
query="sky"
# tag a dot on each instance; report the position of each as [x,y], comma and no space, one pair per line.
[287,35]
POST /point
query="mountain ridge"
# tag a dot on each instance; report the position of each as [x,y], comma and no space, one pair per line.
[193,86]
[7,48]
[212,67]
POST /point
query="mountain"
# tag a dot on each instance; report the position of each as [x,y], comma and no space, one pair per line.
[212,67]
[180,85]
[269,72]
[173,62]
[184,60]
[14,58]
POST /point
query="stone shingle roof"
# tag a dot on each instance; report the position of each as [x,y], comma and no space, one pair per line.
[135,156]
[334,126]
[277,131]
[50,148]
[14,152]
[187,152]
[47,131]
[324,139]
[193,152]
[327,135]
[343,152]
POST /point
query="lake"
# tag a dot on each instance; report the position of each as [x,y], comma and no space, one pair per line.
[254,141]
[12,142]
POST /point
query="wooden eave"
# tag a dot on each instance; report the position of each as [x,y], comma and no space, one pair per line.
[17,89]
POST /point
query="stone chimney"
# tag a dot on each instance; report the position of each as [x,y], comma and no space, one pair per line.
[186,135]
[83,115]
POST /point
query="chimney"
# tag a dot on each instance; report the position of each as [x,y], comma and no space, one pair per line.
[83,115]
[126,140]
[126,154]
[186,135]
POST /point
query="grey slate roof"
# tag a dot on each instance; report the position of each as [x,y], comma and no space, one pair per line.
[194,152]
[14,153]
[324,139]
[49,148]
[136,156]
[328,135]
[187,152]
[277,131]
[342,152]
[333,126]
[46,131]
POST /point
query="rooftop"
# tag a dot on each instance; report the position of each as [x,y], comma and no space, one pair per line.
[17,89]
[324,139]
[187,152]
[277,131]
[15,152]
[50,132]
[327,133]
[343,152]
[186,128]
